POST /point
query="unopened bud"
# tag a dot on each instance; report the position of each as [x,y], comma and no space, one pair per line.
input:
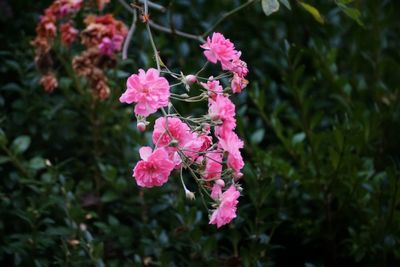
[173,143]
[220,182]
[238,175]
[190,79]
[189,195]
[141,126]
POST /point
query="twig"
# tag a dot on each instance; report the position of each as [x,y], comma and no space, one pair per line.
[153,45]
[154,5]
[156,26]
[130,34]
[224,16]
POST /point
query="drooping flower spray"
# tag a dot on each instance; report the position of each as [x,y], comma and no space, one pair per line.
[206,147]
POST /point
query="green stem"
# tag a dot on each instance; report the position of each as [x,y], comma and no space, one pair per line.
[226,15]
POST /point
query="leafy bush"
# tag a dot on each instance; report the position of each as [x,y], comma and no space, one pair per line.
[320,119]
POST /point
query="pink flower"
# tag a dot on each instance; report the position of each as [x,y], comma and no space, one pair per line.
[179,131]
[226,210]
[69,6]
[148,90]
[219,49]
[216,191]
[222,109]
[239,67]
[238,83]
[231,144]
[213,87]
[154,168]
[213,165]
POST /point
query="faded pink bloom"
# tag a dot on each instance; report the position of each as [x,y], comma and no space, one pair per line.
[154,168]
[109,46]
[238,66]
[219,49]
[213,87]
[238,83]
[231,144]
[213,167]
[226,210]
[224,110]
[148,90]
[102,3]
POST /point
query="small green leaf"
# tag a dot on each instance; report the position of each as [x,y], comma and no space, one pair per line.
[20,144]
[37,163]
[257,136]
[314,12]
[269,6]
[286,4]
[298,138]
[353,13]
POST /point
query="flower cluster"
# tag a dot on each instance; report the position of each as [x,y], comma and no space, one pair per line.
[102,37]
[207,146]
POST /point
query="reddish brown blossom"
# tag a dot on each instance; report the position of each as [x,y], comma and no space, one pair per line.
[68,33]
[49,82]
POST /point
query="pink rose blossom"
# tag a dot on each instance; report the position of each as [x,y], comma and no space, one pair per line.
[213,165]
[222,109]
[213,87]
[154,168]
[226,210]
[231,144]
[179,131]
[216,191]
[148,90]
[219,49]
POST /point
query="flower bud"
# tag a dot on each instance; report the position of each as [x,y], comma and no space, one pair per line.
[220,182]
[173,143]
[189,195]
[190,79]
[141,126]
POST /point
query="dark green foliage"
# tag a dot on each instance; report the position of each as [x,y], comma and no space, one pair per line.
[320,119]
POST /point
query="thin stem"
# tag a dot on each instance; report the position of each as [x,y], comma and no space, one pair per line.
[226,15]
[130,33]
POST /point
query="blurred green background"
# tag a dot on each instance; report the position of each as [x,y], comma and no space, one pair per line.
[321,124]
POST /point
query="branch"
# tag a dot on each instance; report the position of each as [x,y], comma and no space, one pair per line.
[224,16]
[156,26]
[159,27]
[154,5]
[130,34]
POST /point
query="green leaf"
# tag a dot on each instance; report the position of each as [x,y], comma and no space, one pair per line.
[269,6]
[286,4]
[257,136]
[4,159]
[20,144]
[314,12]
[37,163]
[353,13]
[109,196]
[298,138]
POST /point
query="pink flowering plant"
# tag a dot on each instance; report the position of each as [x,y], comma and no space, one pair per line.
[206,147]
